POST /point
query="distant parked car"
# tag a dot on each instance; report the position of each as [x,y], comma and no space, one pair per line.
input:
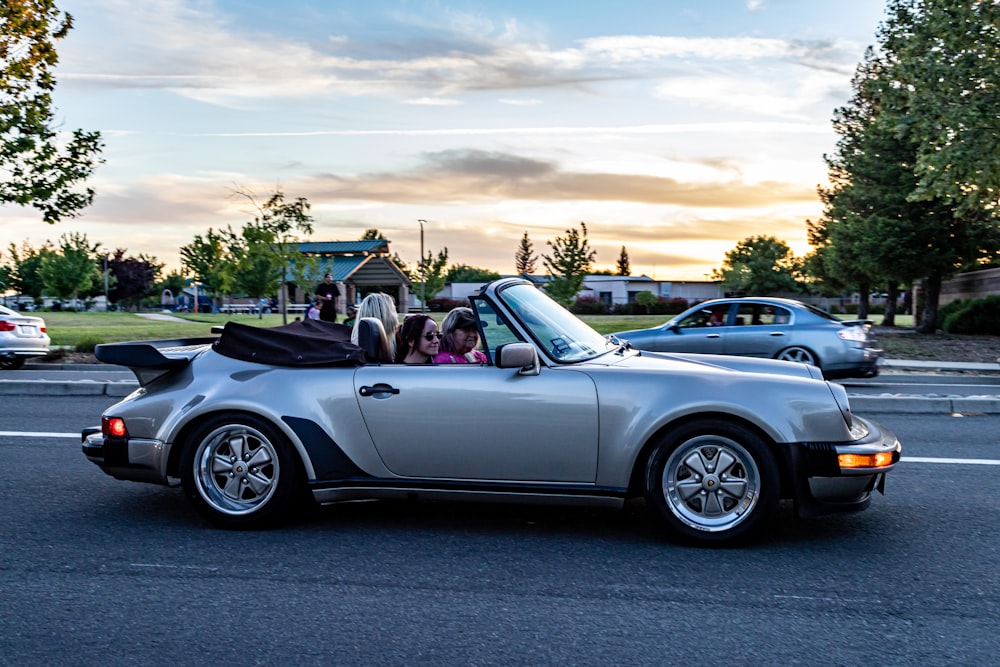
[21,337]
[767,327]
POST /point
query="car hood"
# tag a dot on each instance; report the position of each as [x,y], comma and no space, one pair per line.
[719,361]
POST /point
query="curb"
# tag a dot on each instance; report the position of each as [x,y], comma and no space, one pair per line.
[71,388]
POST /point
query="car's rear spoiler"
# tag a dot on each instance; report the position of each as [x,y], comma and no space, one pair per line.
[857,323]
[149,359]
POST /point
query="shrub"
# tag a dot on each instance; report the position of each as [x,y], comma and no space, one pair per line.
[589,305]
[87,345]
[949,309]
[976,316]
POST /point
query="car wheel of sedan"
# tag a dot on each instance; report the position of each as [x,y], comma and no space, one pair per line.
[240,472]
[11,364]
[713,481]
[799,354]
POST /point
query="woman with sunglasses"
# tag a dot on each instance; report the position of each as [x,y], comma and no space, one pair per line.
[419,340]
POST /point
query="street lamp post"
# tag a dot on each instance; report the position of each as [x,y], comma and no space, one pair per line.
[423,270]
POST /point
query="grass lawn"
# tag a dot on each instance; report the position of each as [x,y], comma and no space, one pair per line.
[84,330]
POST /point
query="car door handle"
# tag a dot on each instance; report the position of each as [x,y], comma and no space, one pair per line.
[712,336]
[777,333]
[380,389]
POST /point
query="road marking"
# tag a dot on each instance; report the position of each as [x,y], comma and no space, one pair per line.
[38,434]
[905,459]
[929,459]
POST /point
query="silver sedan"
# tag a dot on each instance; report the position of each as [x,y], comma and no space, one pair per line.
[258,420]
[767,327]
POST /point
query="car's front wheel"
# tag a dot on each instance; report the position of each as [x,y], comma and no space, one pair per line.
[240,472]
[713,481]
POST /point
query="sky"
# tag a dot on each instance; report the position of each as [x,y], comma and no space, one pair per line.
[674,128]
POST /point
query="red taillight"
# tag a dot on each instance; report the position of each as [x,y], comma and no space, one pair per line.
[7,326]
[114,427]
[42,329]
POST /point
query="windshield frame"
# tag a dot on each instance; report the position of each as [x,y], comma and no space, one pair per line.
[559,334]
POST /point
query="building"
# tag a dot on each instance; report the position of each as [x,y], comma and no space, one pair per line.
[357,267]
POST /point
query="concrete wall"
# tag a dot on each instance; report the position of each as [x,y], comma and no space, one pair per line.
[976,284]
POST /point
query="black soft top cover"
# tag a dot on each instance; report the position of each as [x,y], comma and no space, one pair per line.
[303,343]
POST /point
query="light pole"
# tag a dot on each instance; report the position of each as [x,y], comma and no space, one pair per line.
[423,270]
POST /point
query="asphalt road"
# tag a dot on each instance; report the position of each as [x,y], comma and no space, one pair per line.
[100,571]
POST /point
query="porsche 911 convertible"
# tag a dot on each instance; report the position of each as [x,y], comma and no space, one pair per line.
[256,423]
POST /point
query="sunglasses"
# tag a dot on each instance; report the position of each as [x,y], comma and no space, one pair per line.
[433,334]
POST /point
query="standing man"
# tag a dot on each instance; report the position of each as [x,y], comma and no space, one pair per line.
[327,294]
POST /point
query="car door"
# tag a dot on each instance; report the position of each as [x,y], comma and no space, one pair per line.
[472,422]
[760,330]
[702,331]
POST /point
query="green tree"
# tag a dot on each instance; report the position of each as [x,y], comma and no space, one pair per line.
[207,260]
[23,276]
[568,265]
[372,235]
[646,299]
[624,267]
[759,265]
[268,255]
[173,281]
[72,270]
[463,273]
[432,270]
[945,59]
[37,168]
[525,258]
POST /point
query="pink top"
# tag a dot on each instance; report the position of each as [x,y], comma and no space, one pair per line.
[452,358]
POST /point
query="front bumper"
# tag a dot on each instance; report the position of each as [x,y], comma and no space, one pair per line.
[821,486]
[133,459]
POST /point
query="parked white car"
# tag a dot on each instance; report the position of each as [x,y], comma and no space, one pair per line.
[21,337]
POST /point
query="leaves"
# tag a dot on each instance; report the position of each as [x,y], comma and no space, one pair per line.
[569,264]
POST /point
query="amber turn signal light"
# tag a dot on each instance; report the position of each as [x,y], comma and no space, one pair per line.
[879,460]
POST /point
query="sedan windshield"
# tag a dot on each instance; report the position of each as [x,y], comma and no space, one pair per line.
[558,331]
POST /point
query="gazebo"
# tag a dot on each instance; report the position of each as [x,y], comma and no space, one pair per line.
[354,265]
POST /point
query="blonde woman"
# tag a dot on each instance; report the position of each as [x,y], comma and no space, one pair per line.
[383,308]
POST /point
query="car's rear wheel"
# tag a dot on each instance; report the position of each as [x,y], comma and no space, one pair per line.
[240,472]
[11,363]
[799,354]
[713,481]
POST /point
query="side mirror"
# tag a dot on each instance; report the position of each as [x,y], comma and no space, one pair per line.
[518,355]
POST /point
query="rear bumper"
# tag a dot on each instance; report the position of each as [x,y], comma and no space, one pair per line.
[133,459]
[820,486]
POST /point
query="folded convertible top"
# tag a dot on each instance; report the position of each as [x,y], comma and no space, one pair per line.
[303,343]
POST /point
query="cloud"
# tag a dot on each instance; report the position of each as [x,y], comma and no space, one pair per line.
[197,51]
[474,175]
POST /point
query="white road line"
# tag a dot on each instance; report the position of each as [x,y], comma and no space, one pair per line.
[905,459]
[930,459]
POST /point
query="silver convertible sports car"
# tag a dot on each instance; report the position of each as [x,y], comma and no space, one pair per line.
[255,422]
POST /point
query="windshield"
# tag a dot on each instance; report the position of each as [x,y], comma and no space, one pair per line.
[554,328]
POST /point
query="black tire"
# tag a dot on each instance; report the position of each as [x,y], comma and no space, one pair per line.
[713,482]
[11,364]
[239,471]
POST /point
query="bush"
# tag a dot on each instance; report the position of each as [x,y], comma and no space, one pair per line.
[87,345]
[976,316]
[589,305]
[661,307]
[949,309]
